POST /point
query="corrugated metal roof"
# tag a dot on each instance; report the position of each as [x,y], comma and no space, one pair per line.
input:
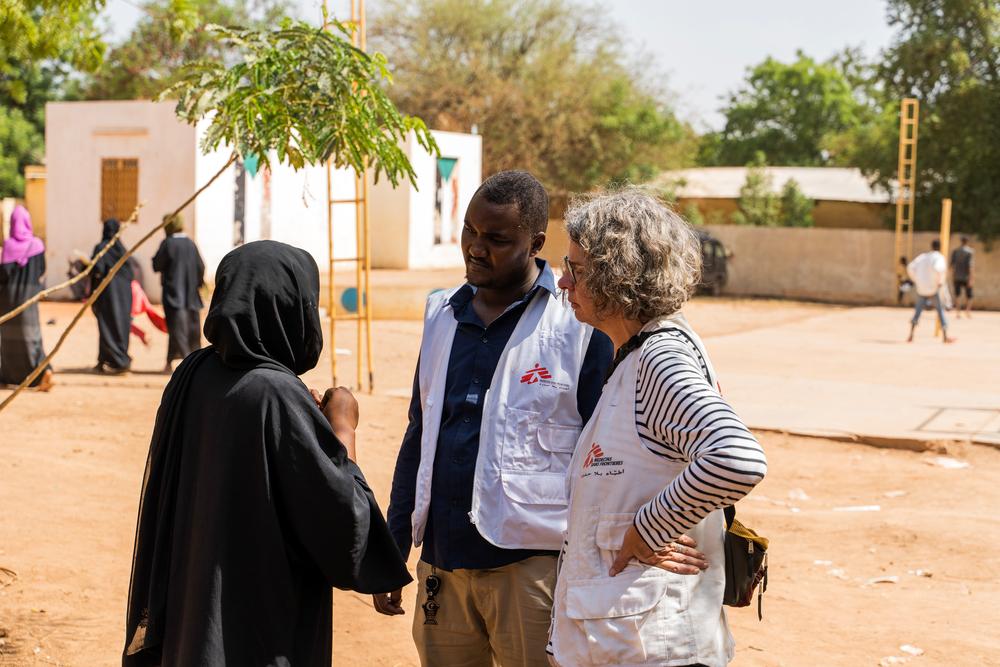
[818,183]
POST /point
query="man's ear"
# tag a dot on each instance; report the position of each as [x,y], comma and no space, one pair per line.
[537,242]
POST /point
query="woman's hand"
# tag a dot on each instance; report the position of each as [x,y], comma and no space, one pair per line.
[341,409]
[680,557]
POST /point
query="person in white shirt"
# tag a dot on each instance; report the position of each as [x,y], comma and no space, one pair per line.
[928,272]
[660,458]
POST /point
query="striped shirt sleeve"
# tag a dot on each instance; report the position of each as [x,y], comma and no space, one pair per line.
[681,417]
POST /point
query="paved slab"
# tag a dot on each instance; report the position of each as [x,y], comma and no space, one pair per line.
[849,372]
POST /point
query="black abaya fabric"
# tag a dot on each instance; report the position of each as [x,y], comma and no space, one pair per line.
[184,332]
[20,338]
[182,272]
[114,307]
[251,510]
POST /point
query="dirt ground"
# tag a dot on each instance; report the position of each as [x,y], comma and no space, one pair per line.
[71,464]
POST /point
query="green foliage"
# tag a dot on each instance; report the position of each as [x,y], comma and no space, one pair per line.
[33,31]
[758,204]
[796,208]
[788,112]
[947,55]
[22,120]
[693,215]
[169,34]
[546,83]
[304,93]
[20,144]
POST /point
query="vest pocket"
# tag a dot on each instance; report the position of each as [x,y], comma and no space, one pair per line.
[634,618]
[534,488]
[531,444]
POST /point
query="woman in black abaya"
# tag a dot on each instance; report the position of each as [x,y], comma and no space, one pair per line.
[252,507]
[22,272]
[114,307]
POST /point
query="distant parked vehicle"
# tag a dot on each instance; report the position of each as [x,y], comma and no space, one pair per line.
[714,259]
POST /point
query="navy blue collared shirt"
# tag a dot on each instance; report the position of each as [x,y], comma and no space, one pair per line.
[450,540]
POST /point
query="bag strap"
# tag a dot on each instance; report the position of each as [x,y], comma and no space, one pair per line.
[630,346]
[730,512]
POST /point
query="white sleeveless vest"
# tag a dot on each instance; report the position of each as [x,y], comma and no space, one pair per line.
[644,615]
[530,423]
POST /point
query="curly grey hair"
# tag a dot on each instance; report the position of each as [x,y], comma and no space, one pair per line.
[644,260]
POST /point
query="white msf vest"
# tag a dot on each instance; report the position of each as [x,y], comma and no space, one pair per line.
[530,423]
[644,615]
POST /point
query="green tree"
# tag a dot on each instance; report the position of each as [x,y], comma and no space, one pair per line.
[946,54]
[758,205]
[297,94]
[20,144]
[546,82]
[33,31]
[170,34]
[796,208]
[41,43]
[788,112]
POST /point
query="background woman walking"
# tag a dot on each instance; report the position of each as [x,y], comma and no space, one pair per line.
[22,271]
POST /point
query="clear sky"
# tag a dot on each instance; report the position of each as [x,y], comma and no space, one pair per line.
[703,46]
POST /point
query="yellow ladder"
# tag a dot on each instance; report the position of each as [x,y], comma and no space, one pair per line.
[909,115]
[362,256]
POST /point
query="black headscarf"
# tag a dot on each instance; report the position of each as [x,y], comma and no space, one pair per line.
[111,257]
[264,309]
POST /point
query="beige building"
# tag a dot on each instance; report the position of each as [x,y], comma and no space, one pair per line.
[102,158]
[843,197]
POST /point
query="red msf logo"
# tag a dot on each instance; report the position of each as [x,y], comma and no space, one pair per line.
[594,453]
[537,373]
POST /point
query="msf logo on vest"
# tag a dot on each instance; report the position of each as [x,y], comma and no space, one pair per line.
[596,463]
[540,375]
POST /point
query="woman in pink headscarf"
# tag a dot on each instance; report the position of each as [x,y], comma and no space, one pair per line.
[22,270]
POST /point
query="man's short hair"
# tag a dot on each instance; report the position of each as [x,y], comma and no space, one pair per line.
[522,190]
[935,244]
[965,239]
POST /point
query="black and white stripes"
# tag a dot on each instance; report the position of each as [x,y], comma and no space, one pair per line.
[681,416]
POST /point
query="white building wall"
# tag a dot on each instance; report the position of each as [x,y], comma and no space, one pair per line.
[78,135]
[402,219]
[283,204]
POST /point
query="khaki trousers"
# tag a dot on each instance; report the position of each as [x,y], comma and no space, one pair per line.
[487,617]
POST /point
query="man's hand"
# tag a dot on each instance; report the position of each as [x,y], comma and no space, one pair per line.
[341,409]
[389,604]
[679,557]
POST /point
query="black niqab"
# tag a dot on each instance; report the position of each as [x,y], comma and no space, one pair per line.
[250,508]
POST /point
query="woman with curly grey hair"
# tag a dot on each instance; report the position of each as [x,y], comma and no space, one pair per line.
[642,573]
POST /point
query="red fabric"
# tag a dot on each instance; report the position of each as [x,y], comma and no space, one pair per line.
[141,304]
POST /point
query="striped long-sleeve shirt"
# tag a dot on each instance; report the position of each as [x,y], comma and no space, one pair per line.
[681,416]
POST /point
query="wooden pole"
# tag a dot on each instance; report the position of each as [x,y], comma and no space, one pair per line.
[945,243]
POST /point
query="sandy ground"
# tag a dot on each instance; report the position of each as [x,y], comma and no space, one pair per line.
[71,465]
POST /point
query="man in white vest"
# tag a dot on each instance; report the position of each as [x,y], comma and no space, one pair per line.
[506,379]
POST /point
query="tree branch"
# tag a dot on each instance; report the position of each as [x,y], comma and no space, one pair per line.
[107,281]
[78,277]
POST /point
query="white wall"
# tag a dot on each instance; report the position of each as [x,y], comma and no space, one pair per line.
[468,148]
[402,218]
[78,135]
[296,209]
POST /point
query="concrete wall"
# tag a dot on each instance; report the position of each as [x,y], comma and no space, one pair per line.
[840,265]
[402,218]
[280,204]
[78,135]
[830,214]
